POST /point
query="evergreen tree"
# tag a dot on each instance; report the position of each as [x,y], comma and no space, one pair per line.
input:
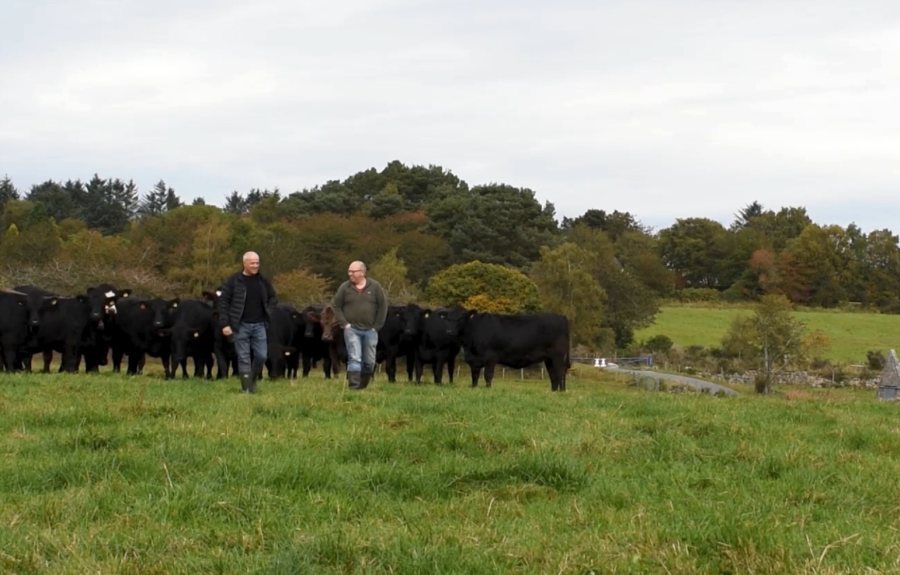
[154,201]
[109,205]
[236,204]
[60,202]
[159,200]
[494,224]
[7,191]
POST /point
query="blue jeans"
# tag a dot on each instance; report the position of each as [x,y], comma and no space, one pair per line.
[361,345]
[250,337]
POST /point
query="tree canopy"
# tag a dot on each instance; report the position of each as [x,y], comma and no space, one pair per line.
[414,224]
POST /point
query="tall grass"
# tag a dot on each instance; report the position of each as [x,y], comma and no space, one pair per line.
[850,335]
[108,474]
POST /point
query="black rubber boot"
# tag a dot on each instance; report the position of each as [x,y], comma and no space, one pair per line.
[246,383]
[354,379]
[364,378]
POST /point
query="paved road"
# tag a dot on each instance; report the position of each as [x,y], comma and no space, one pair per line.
[698,384]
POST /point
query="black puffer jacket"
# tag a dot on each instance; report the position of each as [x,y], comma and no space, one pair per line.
[234,294]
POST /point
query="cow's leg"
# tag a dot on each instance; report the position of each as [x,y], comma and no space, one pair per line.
[135,362]
[221,363]
[489,373]
[390,367]
[117,354]
[476,373]
[556,368]
[410,365]
[420,367]
[9,358]
[210,362]
[26,361]
[451,367]
[437,367]
[48,357]
[168,368]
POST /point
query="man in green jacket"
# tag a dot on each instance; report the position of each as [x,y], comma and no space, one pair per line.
[360,306]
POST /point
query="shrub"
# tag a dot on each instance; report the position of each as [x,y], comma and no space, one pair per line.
[875,360]
[696,295]
[658,344]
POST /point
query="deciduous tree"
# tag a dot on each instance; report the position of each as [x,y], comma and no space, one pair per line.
[502,285]
[301,287]
[564,278]
[695,248]
[771,337]
[391,272]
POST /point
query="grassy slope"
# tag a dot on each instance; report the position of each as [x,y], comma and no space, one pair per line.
[850,335]
[113,475]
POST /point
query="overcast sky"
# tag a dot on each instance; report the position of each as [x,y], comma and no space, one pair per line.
[666,109]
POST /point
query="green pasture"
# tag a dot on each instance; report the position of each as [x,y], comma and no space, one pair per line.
[109,474]
[850,334]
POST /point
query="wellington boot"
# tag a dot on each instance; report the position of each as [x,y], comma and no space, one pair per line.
[354,379]
[364,378]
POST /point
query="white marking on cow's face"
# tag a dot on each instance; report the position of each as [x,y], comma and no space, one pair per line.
[218,292]
[110,294]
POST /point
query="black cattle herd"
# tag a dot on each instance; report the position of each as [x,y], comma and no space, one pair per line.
[105,324]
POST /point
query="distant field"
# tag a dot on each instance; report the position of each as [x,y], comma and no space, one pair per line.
[850,335]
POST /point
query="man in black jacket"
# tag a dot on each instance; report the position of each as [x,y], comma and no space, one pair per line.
[244,313]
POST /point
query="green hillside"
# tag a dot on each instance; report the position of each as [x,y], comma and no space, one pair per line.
[850,335]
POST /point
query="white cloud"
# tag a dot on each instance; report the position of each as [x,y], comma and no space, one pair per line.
[662,109]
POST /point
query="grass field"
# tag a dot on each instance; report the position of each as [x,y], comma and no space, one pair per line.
[105,474]
[850,335]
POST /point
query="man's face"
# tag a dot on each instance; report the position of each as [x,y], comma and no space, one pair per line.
[356,274]
[251,265]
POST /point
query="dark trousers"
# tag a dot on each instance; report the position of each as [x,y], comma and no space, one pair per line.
[251,347]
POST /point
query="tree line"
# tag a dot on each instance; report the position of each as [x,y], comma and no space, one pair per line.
[433,239]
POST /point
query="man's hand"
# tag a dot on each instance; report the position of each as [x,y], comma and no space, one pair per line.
[226,331]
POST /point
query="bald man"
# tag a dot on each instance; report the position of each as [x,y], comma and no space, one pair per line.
[360,306]
[244,307]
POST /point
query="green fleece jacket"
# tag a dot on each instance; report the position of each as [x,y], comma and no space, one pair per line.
[363,309]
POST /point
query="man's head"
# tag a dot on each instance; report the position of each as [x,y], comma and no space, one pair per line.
[251,263]
[357,272]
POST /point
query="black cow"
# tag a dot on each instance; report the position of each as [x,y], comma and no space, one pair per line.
[223,347]
[143,327]
[193,336]
[101,301]
[312,343]
[333,336]
[13,328]
[517,341]
[280,334]
[62,324]
[440,341]
[399,337]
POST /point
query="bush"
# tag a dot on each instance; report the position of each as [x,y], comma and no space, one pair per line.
[697,295]
[658,344]
[875,360]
